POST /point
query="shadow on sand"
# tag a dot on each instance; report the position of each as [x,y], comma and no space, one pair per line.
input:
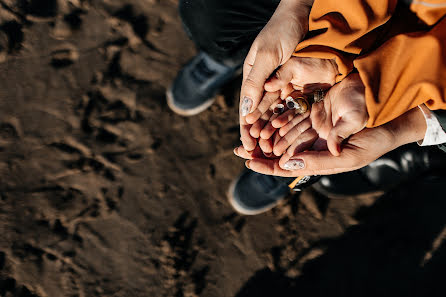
[396,250]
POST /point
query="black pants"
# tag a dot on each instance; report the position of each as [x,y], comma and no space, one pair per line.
[225,29]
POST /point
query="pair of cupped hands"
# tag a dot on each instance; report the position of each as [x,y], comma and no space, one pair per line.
[331,137]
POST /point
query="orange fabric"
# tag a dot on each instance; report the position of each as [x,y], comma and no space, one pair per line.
[430,11]
[407,70]
[339,27]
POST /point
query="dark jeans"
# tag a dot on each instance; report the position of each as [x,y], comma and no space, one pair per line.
[225,29]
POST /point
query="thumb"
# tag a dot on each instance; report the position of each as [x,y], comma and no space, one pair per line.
[253,86]
[344,128]
[280,80]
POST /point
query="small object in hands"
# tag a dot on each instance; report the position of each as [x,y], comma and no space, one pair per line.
[318,95]
[279,108]
[300,104]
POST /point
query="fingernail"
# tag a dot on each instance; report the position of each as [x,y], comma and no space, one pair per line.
[268,155]
[235,151]
[246,106]
[247,164]
[294,164]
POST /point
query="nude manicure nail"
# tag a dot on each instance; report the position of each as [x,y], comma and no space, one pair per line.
[294,164]
[246,106]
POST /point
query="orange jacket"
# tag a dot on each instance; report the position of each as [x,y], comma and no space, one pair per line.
[398,49]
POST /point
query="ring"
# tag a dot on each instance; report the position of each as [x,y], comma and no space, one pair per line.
[318,95]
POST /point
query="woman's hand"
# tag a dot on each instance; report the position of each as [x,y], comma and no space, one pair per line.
[273,47]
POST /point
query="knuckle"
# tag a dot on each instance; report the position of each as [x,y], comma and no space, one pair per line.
[250,83]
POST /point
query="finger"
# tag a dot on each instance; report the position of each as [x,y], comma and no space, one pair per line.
[242,153]
[257,127]
[283,118]
[291,137]
[282,77]
[249,143]
[308,163]
[303,143]
[286,91]
[292,117]
[268,130]
[291,124]
[253,86]
[266,145]
[344,128]
[268,100]
[260,124]
[268,167]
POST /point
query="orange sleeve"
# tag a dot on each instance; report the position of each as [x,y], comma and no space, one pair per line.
[338,28]
[406,71]
[430,11]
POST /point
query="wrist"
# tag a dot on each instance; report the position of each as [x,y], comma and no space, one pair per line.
[409,127]
[298,9]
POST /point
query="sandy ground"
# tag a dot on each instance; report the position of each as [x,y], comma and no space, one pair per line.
[105,192]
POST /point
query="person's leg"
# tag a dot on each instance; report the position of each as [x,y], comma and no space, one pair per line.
[225,29]
[223,32]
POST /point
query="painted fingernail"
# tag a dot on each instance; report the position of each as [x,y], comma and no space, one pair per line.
[294,164]
[246,106]
[247,164]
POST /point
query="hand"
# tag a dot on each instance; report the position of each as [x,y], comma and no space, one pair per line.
[273,47]
[359,150]
[341,114]
[304,74]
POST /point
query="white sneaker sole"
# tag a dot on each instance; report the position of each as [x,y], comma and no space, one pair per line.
[240,209]
[186,112]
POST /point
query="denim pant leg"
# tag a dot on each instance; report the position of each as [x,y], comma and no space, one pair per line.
[225,29]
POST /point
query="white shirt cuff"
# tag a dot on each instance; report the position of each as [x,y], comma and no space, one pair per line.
[434,132]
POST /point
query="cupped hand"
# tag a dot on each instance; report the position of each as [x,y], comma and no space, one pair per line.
[299,73]
[272,47]
[358,151]
[342,113]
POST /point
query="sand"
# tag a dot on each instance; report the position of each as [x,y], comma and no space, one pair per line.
[105,192]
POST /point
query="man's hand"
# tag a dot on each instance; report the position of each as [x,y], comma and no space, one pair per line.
[359,150]
[273,47]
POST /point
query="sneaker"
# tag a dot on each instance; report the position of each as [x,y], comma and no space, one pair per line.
[197,83]
[405,164]
[252,193]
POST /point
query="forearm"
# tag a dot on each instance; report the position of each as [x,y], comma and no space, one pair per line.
[297,11]
[407,128]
